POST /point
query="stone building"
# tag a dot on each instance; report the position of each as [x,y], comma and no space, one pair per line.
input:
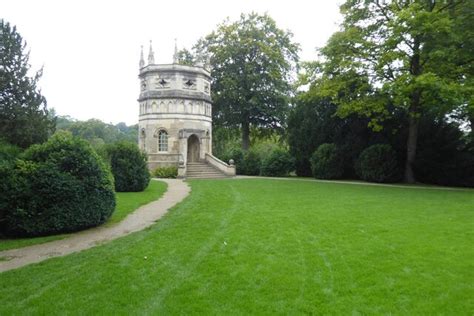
[175,117]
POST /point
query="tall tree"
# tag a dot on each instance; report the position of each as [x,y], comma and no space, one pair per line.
[409,54]
[186,57]
[24,118]
[252,63]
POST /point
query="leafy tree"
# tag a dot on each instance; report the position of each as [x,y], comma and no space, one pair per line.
[252,62]
[312,122]
[24,116]
[407,54]
[186,57]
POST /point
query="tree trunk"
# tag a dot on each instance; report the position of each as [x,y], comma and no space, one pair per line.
[413,115]
[245,136]
[413,123]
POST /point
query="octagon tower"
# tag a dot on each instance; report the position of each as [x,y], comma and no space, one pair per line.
[175,115]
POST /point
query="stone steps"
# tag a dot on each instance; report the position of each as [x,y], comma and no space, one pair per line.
[202,170]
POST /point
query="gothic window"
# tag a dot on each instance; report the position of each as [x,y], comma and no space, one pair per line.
[162,140]
[142,133]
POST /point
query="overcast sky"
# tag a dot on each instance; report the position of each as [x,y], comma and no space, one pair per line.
[90,49]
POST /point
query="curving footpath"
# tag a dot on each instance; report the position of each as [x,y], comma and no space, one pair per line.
[142,218]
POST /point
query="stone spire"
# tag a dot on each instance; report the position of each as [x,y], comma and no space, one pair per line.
[175,55]
[151,55]
[142,60]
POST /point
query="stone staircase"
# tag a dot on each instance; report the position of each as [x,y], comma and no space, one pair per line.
[202,170]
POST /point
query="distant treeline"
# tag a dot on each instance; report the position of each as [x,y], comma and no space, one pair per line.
[97,132]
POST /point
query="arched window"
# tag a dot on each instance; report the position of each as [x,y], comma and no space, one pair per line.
[162,141]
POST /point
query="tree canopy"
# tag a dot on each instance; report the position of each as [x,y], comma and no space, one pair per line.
[252,65]
[411,55]
[24,118]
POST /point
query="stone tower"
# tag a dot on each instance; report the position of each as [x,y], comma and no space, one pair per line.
[175,118]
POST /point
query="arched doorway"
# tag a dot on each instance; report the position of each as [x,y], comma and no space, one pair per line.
[193,148]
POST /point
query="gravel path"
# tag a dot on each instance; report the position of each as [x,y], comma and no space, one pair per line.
[141,218]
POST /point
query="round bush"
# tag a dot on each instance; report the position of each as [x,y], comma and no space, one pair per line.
[129,167]
[377,163]
[327,162]
[251,163]
[278,164]
[59,186]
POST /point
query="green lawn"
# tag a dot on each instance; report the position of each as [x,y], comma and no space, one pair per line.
[271,247]
[127,202]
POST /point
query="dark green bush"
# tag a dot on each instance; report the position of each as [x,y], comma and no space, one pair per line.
[129,167]
[236,154]
[8,154]
[251,164]
[377,163]
[56,187]
[327,162]
[8,151]
[278,164]
[166,172]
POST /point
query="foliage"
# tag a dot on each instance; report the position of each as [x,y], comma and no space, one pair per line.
[170,172]
[327,162]
[129,167]
[59,186]
[127,202]
[303,238]
[186,57]
[377,163]
[236,154]
[8,154]
[8,151]
[313,122]
[445,156]
[410,55]
[251,163]
[278,164]
[24,118]
[252,64]
[97,132]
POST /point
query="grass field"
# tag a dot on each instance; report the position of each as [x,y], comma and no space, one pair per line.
[127,202]
[271,247]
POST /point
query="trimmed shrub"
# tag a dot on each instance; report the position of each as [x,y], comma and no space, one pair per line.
[251,163]
[57,187]
[166,172]
[8,154]
[129,167]
[377,163]
[327,162]
[278,164]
